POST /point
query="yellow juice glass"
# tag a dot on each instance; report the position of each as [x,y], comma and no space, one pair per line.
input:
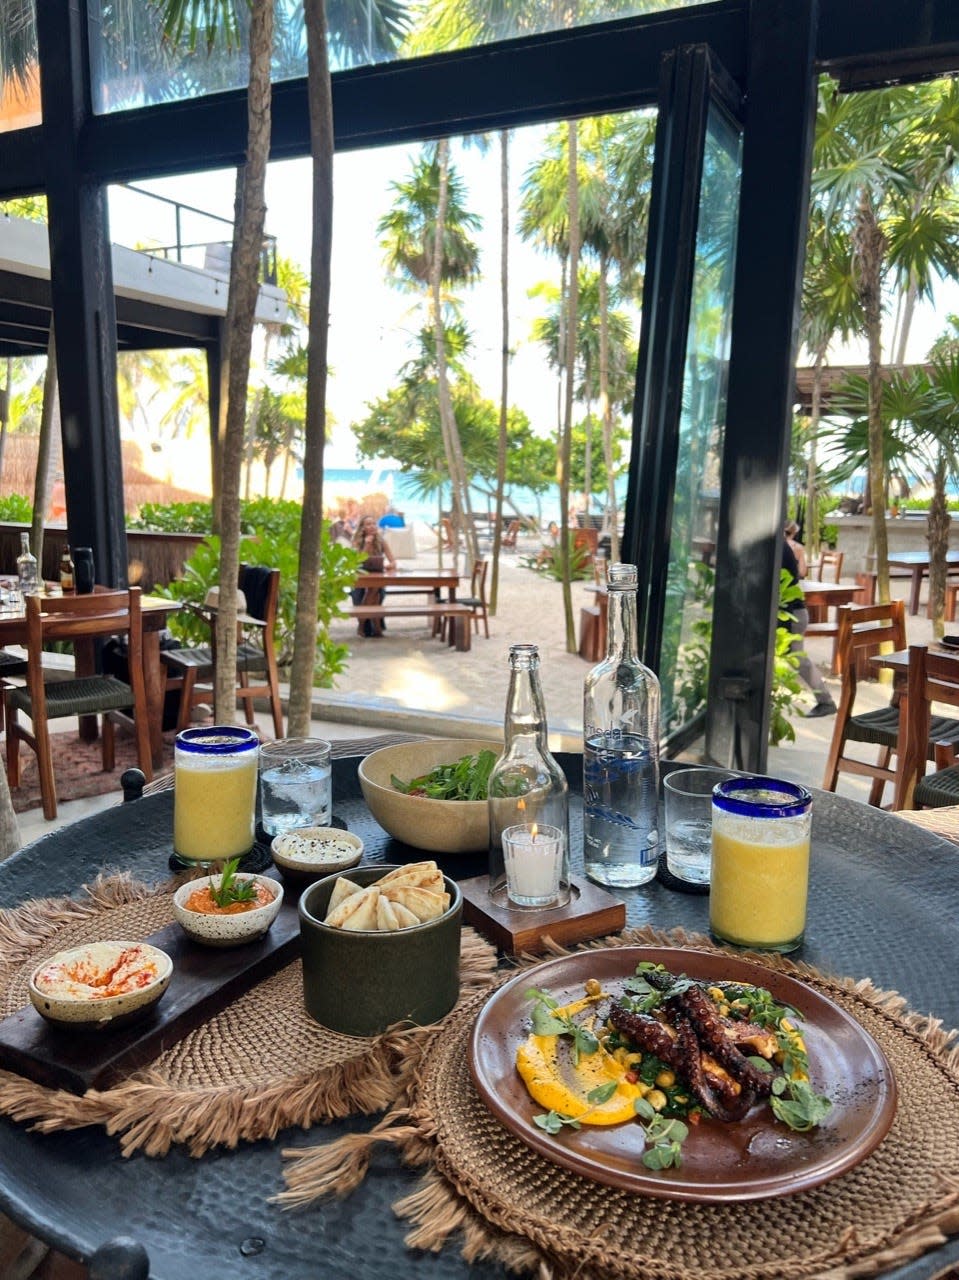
[759,876]
[214,798]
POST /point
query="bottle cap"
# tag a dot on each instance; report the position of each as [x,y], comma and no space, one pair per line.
[622,577]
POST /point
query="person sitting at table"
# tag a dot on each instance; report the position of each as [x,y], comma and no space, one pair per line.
[378,556]
[809,673]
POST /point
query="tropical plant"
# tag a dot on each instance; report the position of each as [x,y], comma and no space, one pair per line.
[427,239]
[883,171]
[271,533]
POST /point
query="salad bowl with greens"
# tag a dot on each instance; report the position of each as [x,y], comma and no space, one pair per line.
[432,794]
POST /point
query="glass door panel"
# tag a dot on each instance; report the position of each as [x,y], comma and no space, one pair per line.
[684,655]
[673,501]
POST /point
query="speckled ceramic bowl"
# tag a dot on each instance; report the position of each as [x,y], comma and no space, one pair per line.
[66,988]
[310,853]
[438,826]
[231,930]
[360,983]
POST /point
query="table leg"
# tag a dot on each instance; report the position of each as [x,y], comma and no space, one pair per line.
[154,685]
[915,590]
[85,664]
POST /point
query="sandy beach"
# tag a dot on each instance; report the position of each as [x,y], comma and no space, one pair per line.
[408,679]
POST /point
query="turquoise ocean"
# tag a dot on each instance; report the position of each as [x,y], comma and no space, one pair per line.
[400,488]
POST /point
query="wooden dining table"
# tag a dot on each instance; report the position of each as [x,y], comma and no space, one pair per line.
[828,594]
[883,901]
[917,562]
[156,611]
[435,580]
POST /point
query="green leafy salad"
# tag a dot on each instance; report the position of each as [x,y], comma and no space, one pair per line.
[464,779]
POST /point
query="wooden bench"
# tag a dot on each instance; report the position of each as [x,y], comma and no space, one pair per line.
[460,617]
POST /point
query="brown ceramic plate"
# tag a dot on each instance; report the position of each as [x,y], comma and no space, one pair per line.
[750,1160]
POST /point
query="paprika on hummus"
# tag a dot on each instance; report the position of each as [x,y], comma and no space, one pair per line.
[99,970]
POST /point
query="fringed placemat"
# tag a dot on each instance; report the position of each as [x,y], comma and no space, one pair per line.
[259,1066]
[506,1203]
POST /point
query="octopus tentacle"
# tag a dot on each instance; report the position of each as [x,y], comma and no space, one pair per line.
[699,1009]
[721,1096]
[723,1104]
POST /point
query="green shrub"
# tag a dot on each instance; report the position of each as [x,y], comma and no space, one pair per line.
[175,517]
[271,536]
[16,508]
[548,563]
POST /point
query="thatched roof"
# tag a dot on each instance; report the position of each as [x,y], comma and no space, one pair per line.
[139,486]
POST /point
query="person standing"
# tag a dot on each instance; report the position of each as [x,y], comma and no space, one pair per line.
[809,673]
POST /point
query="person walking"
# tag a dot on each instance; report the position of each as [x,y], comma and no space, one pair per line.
[809,673]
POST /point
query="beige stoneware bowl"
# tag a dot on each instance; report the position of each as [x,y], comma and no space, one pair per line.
[65,988]
[309,853]
[226,931]
[438,826]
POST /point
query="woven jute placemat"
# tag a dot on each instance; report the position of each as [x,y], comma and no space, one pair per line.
[504,1201]
[257,1067]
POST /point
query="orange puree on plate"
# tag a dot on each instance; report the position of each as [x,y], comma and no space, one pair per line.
[201,900]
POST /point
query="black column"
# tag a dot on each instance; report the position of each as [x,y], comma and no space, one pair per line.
[81,281]
[777,145]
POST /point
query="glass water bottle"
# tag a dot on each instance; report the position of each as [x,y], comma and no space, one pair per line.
[526,785]
[621,750]
[27,568]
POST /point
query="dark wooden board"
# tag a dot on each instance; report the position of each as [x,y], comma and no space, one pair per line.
[205,980]
[590,913]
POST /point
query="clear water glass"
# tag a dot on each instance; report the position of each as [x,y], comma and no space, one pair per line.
[296,785]
[688,797]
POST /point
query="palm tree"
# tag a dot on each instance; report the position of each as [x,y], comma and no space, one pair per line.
[427,239]
[830,308]
[883,165]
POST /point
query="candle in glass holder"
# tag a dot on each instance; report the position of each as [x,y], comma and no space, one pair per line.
[533,854]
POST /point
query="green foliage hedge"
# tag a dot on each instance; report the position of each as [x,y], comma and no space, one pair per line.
[271,536]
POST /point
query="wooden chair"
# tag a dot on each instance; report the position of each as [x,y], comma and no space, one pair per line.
[933,677]
[862,629]
[192,670]
[829,566]
[508,540]
[77,618]
[477,597]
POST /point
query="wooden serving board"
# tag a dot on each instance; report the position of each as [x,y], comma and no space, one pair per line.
[590,913]
[205,980]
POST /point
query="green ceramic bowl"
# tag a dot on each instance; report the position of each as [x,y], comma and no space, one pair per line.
[360,983]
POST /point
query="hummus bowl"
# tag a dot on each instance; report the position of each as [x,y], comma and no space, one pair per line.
[100,984]
[310,853]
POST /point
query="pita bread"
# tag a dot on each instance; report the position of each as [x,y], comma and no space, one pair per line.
[358,911]
[410,873]
[404,916]
[341,890]
[424,903]
[386,920]
[415,879]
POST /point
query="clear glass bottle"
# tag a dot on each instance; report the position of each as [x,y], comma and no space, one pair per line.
[27,568]
[526,784]
[621,750]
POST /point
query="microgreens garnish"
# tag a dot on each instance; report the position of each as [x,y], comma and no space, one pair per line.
[553,1121]
[230,889]
[548,1021]
[664,1137]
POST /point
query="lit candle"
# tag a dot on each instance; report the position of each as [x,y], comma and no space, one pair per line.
[534,862]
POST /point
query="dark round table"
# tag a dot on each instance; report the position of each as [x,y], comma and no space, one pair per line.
[884,902]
